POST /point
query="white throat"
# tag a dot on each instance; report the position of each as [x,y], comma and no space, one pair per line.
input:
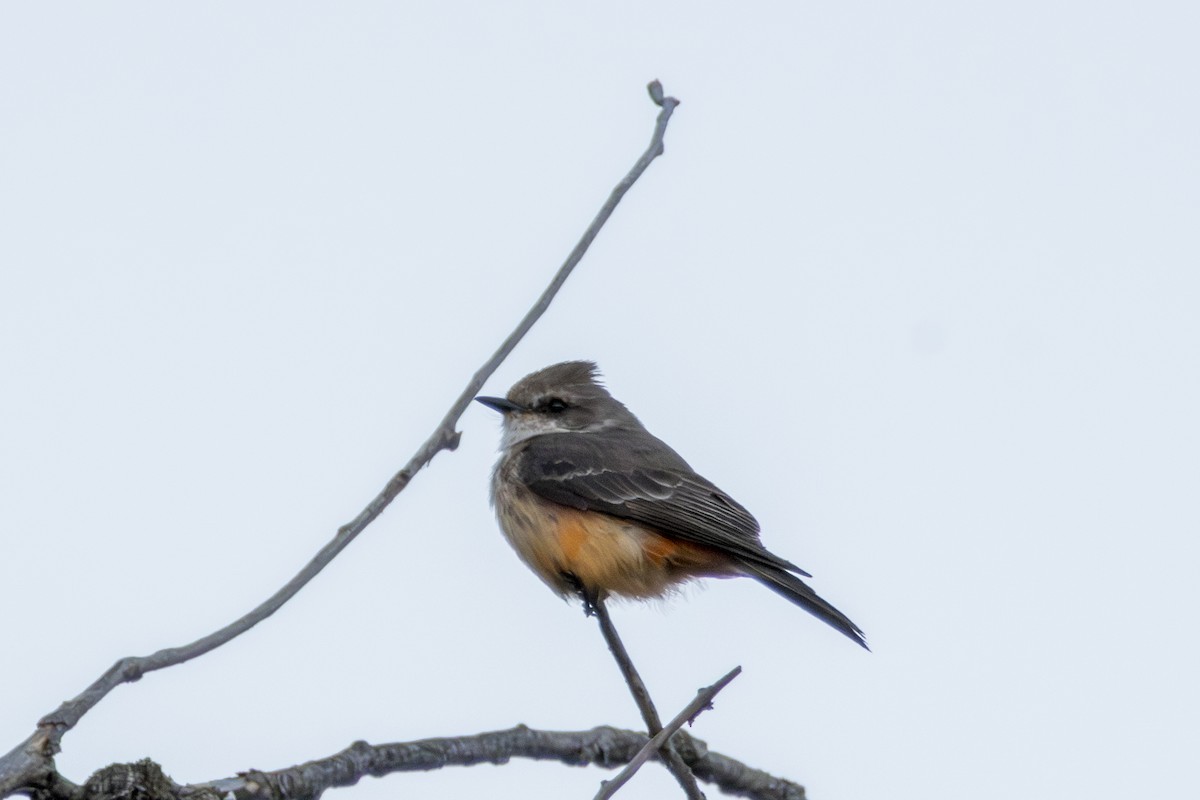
[521,428]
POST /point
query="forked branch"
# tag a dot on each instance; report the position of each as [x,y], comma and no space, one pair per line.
[701,703]
[641,696]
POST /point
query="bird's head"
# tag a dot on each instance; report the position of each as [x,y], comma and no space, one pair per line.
[563,398]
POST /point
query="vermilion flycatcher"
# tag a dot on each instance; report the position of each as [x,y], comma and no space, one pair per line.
[595,504]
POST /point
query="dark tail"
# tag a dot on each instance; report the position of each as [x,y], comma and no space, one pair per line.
[796,590]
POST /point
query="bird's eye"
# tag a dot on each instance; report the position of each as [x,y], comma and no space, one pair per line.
[556,405]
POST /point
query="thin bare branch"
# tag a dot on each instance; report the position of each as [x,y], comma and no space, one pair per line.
[29,764]
[641,696]
[701,703]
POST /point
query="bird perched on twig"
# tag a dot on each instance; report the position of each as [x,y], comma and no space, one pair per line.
[597,505]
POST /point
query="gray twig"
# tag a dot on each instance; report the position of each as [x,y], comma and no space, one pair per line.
[701,703]
[30,765]
[641,696]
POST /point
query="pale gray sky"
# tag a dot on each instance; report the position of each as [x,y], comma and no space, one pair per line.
[917,283]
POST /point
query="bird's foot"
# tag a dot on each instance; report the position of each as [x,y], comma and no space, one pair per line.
[589,597]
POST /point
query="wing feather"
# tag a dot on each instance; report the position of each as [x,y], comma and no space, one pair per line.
[637,477]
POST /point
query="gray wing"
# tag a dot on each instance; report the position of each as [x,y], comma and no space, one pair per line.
[635,476]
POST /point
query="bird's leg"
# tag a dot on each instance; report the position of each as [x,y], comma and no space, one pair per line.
[591,598]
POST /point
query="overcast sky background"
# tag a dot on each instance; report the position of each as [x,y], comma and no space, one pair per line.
[917,283]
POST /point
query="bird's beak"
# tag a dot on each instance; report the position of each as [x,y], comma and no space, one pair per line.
[501,404]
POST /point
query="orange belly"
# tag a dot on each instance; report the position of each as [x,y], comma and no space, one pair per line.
[605,553]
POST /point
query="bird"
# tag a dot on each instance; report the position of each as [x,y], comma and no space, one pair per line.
[597,506]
